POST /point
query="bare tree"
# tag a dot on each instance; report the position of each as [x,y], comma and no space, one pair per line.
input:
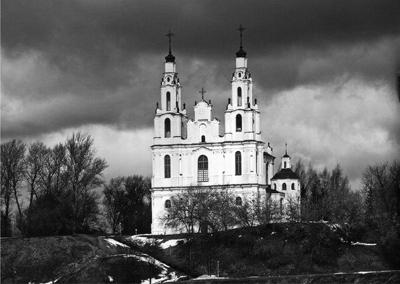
[127,202]
[84,171]
[34,163]
[114,202]
[12,177]
[379,187]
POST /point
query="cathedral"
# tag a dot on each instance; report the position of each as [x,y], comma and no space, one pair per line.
[190,152]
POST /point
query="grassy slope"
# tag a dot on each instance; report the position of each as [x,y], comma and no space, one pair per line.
[280,249]
[76,259]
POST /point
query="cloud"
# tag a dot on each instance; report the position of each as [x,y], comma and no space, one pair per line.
[324,72]
[327,125]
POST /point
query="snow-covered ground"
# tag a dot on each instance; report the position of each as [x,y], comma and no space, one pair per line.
[362,244]
[161,243]
[50,282]
[116,243]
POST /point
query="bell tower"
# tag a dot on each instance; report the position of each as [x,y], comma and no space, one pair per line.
[170,86]
[170,115]
[242,118]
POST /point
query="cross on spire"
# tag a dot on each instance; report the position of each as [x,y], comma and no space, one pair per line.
[240,29]
[202,92]
[170,35]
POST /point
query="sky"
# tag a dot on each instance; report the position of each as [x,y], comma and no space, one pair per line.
[324,74]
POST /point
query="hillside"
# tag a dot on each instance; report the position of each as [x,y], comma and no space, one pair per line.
[77,259]
[272,250]
[280,251]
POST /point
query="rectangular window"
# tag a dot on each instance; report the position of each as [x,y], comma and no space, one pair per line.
[202,175]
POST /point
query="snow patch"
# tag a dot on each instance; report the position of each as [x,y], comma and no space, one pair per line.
[51,282]
[205,276]
[164,245]
[362,244]
[170,243]
[116,243]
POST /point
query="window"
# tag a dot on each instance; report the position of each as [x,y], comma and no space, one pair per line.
[275,186]
[167,166]
[293,186]
[284,186]
[238,123]
[167,203]
[238,163]
[239,201]
[168,101]
[167,127]
[202,168]
[239,96]
[284,165]
[203,138]
[281,206]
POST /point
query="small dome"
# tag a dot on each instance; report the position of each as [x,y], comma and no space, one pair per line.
[170,58]
[241,53]
[286,156]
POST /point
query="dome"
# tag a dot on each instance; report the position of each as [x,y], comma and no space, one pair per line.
[170,58]
[241,53]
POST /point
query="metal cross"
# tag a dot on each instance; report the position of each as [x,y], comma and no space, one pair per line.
[240,29]
[202,92]
[169,34]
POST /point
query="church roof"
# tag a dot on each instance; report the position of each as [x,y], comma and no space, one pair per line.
[285,174]
[286,156]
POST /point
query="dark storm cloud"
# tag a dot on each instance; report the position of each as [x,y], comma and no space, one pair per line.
[103,59]
[203,28]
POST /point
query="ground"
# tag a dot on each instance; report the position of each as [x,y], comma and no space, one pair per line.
[317,252]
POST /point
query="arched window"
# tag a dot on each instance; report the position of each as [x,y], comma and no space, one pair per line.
[284,165]
[238,163]
[284,186]
[238,123]
[167,203]
[202,168]
[167,127]
[167,166]
[203,138]
[168,101]
[275,186]
[293,186]
[239,96]
[239,201]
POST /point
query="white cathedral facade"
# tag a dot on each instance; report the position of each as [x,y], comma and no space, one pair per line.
[190,152]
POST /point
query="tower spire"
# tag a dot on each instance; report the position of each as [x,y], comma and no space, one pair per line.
[241,52]
[170,57]
[286,154]
[241,29]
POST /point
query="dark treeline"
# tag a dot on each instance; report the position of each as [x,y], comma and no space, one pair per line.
[127,204]
[55,190]
[370,214]
[327,195]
